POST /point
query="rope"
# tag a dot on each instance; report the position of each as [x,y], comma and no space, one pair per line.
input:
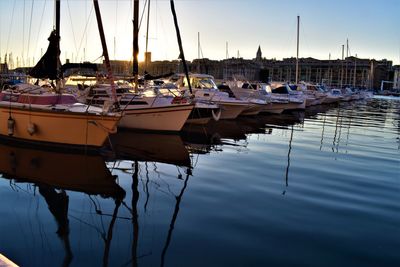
[141,18]
[72,28]
[40,24]
[98,124]
[9,30]
[85,31]
[23,33]
[30,29]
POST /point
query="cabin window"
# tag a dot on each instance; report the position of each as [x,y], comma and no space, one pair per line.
[280,90]
[124,103]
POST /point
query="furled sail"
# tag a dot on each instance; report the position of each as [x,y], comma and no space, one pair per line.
[49,65]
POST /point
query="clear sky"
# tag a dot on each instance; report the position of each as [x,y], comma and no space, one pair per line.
[372,27]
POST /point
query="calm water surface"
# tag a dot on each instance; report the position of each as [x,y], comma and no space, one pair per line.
[320,188]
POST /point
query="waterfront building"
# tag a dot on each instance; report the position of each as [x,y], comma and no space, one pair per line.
[3,68]
[396,77]
[352,71]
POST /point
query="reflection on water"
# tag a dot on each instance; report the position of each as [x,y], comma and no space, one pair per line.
[314,188]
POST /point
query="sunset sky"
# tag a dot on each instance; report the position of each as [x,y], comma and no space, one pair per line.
[372,27]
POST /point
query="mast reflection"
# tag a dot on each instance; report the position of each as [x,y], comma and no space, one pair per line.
[54,173]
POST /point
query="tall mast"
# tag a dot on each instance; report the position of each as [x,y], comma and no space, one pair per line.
[198,52]
[226,51]
[135,42]
[347,55]
[147,33]
[57,18]
[147,27]
[58,39]
[355,71]
[105,51]
[297,55]
[178,36]
[341,72]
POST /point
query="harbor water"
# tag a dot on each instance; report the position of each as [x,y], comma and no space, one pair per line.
[313,188]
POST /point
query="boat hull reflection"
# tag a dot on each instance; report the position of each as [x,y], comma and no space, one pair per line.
[150,146]
[68,171]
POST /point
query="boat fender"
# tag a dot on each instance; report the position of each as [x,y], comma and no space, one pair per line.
[217,116]
[10,126]
[31,128]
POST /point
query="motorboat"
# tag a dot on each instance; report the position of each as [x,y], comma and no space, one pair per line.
[245,92]
[205,89]
[258,91]
[146,109]
[333,96]
[296,99]
[314,95]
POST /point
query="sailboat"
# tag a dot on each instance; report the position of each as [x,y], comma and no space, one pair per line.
[155,112]
[52,117]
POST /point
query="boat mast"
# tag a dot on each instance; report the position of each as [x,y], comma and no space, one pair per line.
[135,42]
[105,51]
[198,52]
[297,55]
[341,72]
[347,55]
[57,58]
[198,45]
[147,32]
[355,71]
[58,19]
[178,36]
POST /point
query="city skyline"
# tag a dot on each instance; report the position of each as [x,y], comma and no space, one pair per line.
[370,27]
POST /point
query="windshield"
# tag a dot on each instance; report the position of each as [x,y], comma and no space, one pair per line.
[201,83]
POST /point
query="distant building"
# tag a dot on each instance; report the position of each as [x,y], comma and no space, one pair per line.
[396,77]
[352,71]
[147,57]
[259,54]
[3,68]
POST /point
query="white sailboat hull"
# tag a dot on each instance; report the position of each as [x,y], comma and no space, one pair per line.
[166,118]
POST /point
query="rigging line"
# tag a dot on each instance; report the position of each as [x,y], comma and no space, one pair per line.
[116,27]
[141,17]
[30,29]
[40,24]
[116,17]
[72,29]
[23,33]
[85,31]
